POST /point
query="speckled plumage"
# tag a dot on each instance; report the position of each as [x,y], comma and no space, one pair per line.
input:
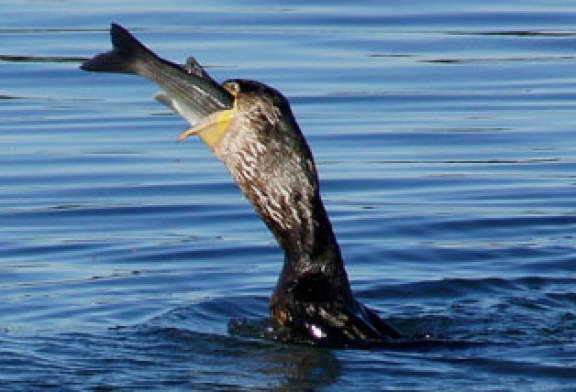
[269,159]
[250,127]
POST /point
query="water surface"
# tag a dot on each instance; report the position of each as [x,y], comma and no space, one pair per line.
[444,138]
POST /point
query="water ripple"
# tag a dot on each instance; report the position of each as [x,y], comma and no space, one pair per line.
[444,141]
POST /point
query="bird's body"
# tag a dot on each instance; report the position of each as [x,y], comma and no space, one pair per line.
[258,139]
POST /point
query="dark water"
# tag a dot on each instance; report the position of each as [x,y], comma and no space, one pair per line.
[444,136]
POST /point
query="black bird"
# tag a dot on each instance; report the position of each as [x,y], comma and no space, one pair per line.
[250,127]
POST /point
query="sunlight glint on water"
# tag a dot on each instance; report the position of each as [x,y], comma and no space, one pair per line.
[444,138]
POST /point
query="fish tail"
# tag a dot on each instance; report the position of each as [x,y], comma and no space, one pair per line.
[128,55]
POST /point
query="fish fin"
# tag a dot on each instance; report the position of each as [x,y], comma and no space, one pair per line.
[193,67]
[177,107]
[127,53]
[165,99]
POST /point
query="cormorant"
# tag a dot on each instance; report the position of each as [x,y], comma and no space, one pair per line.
[250,127]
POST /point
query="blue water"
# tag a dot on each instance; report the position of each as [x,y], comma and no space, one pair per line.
[444,135]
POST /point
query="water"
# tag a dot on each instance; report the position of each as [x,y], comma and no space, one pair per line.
[444,137]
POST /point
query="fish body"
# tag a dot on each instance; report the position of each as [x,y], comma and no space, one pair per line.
[188,89]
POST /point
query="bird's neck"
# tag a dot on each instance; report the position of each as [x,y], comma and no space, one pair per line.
[307,237]
[300,224]
[312,250]
[280,180]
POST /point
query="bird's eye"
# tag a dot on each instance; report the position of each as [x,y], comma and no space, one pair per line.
[232,87]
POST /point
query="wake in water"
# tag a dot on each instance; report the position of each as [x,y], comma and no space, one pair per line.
[264,329]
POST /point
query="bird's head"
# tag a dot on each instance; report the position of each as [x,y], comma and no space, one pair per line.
[260,119]
[262,146]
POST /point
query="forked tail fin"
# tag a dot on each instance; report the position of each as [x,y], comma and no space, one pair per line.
[127,56]
[187,89]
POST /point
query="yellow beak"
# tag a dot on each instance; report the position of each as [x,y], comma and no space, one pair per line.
[211,128]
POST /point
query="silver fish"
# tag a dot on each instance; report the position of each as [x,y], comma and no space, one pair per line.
[188,89]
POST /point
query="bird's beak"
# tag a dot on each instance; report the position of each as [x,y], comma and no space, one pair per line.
[211,128]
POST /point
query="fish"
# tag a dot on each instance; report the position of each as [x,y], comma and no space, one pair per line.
[187,89]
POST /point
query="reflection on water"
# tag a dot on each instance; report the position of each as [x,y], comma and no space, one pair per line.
[444,140]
